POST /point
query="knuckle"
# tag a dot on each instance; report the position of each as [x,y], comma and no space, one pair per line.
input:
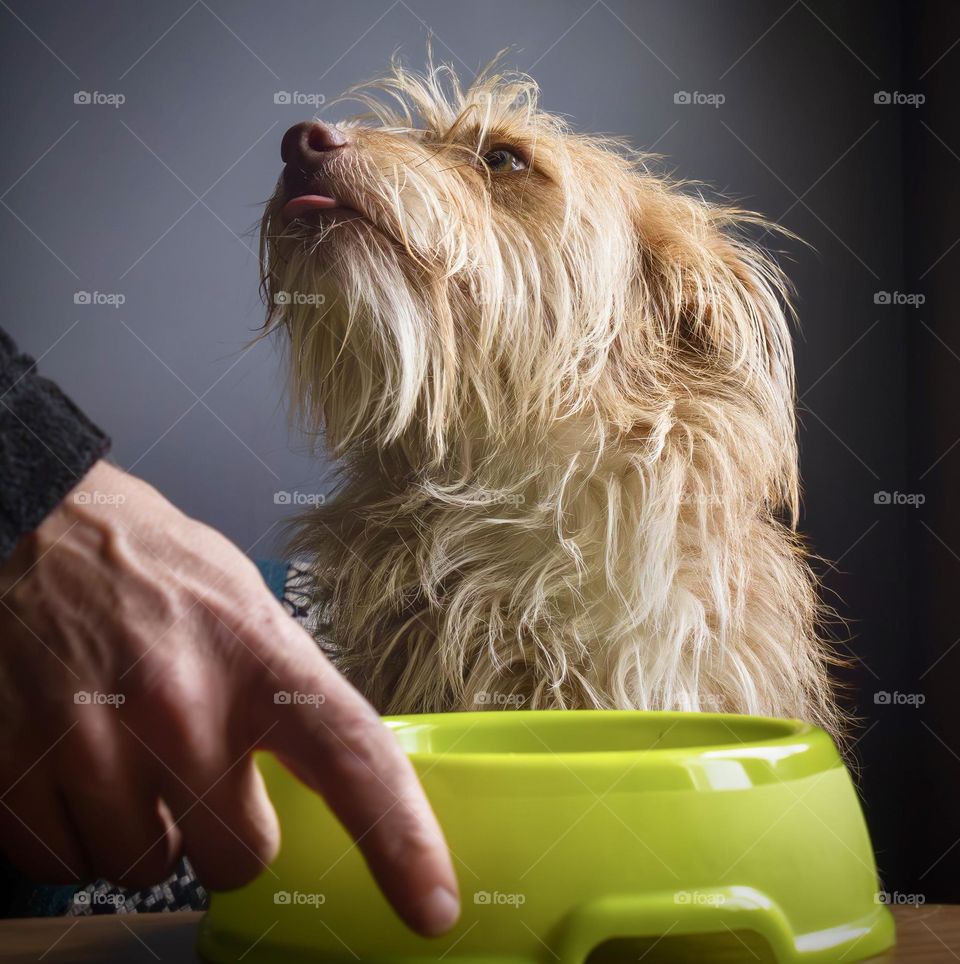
[358,744]
[174,731]
[412,841]
[162,675]
[252,626]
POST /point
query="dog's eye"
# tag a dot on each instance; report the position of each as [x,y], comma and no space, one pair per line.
[501,160]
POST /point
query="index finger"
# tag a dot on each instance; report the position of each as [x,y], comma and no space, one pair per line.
[341,749]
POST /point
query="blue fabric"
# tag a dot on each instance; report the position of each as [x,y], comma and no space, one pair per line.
[21,897]
[274,575]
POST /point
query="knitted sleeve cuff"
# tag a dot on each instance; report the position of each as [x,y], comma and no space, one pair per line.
[46,445]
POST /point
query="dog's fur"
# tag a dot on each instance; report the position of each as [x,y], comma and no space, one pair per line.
[563,401]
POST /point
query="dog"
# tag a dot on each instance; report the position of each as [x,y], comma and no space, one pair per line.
[559,385]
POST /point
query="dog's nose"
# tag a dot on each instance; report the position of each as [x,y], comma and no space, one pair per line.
[310,143]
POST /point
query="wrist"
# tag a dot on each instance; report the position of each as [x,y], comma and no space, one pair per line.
[81,508]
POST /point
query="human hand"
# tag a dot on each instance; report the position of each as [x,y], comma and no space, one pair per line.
[180,649]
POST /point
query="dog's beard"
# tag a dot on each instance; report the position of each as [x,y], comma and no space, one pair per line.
[359,364]
[567,434]
[488,334]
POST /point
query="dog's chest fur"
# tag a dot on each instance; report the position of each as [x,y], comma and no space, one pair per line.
[630,578]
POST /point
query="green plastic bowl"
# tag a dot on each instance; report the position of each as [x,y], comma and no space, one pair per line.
[576,835]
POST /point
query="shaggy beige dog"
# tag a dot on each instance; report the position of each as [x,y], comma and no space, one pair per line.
[561,389]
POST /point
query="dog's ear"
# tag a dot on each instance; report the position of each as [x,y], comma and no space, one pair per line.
[720,311]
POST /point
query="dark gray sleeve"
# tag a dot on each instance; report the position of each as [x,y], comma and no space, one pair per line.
[46,445]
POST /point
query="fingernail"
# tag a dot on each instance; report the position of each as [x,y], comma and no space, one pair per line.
[438,912]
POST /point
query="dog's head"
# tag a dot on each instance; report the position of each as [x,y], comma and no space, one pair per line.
[459,265]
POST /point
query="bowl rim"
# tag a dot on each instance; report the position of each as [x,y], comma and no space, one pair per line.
[793,749]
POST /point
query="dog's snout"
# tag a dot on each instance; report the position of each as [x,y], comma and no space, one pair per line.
[310,143]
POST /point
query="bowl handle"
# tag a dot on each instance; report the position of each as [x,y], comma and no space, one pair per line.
[677,913]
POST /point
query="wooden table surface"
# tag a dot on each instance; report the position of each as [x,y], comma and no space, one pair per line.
[930,934]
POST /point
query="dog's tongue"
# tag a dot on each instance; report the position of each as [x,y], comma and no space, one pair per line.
[308,202]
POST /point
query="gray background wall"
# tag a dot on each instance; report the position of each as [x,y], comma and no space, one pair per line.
[156,199]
